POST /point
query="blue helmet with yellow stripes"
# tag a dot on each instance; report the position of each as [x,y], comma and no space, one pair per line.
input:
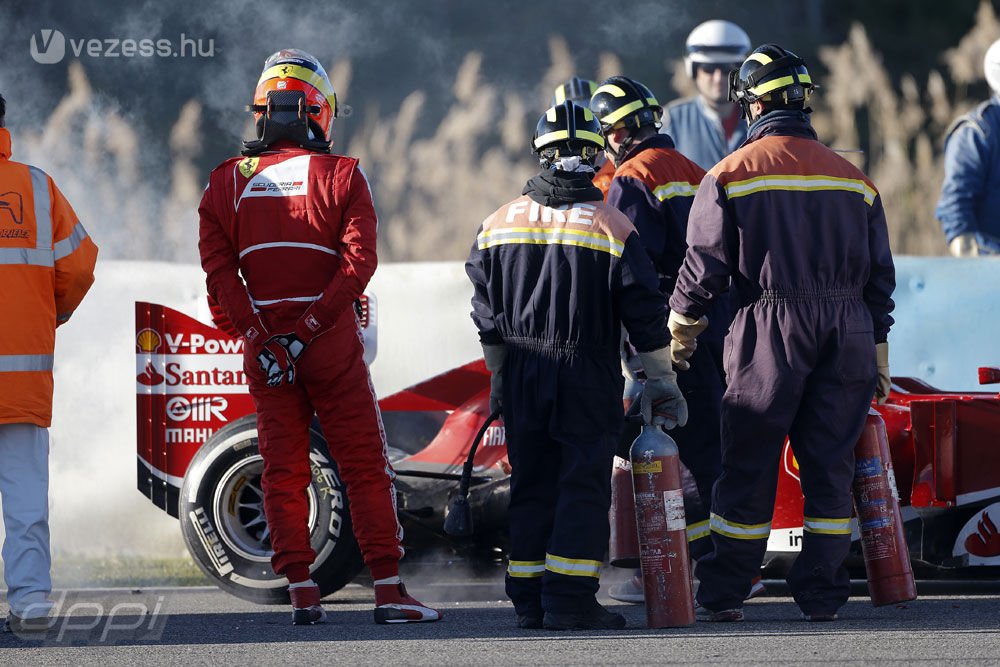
[621,101]
[566,130]
[576,90]
[773,75]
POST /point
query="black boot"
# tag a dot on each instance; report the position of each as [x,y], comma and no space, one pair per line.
[529,621]
[590,617]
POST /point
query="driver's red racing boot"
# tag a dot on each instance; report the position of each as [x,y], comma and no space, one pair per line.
[394,605]
[306,608]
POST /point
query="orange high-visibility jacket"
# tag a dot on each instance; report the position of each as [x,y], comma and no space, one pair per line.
[46,267]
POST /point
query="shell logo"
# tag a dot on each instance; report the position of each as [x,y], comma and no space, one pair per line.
[791,465]
[147,340]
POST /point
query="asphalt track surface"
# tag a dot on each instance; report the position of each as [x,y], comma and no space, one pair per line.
[951,623]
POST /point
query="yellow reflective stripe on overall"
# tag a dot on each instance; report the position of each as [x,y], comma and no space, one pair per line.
[526,569]
[536,235]
[675,189]
[740,531]
[574,567]
[826,526]
[696,531]
[814,183]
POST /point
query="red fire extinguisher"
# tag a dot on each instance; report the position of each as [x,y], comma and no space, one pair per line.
[663,547]
[623,547]
[876,502]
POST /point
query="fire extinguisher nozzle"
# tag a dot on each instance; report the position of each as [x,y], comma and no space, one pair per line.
[458,520]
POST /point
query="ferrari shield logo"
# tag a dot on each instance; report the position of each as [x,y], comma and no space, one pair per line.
[248,166]
[789,461]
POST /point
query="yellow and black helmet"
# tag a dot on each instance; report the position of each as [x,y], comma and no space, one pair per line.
[576,90]
[621,100]
[773,75]
[564,130]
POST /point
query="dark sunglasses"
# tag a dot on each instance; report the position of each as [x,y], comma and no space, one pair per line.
[712,68]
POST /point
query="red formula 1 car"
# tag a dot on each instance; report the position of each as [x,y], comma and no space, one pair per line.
[198,460]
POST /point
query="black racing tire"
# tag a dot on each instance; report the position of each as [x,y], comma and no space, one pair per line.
[223,524]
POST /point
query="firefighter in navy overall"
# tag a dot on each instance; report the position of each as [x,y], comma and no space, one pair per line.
[556,273]
[801,236]
[297,224]
[654,186]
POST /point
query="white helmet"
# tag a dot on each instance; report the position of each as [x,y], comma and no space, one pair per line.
[991,66]
[715,42]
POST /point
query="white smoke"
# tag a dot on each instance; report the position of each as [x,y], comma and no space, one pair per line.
[95,507]
[441,117]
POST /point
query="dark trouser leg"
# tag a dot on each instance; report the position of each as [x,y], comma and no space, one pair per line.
[757,411]
[742,505]
[535,460]
[580,531]
[829,423]
[699,442]
[587,419]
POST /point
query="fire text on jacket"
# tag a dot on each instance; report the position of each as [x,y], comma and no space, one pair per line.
[582,214]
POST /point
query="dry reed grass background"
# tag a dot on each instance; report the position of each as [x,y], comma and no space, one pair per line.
[434,179]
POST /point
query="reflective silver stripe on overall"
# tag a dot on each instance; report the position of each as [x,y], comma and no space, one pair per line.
[20,363]
[41,254]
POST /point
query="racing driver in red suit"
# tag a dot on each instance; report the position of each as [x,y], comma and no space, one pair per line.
[297,224]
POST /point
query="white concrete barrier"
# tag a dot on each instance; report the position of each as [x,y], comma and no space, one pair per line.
[947,320]
[423,328]
[947,323]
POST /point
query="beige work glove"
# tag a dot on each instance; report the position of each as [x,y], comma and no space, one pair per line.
[662,403]
[964,245]
[684,332]
[884,381]
[494,356]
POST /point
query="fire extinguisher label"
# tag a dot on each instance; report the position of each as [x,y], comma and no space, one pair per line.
[877,522]
[622,464]
[673,505]
[645,467]
[871,467]
[890,473]
[877,540]
[871,501]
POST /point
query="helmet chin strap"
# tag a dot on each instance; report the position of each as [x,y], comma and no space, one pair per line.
[618,155]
